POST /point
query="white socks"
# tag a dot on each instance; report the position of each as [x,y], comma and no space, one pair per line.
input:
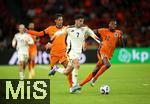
[21,75]
[75,76]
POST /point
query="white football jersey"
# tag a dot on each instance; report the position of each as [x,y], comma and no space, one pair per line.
[76,37]
[22,42]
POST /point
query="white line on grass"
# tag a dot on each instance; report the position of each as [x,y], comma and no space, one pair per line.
[42,67]
[145,84]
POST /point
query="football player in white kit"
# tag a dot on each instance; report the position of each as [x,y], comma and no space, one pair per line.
[76,36]
[21,42]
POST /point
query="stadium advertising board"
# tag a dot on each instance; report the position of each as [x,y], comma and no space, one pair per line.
[121,55]
[131,55]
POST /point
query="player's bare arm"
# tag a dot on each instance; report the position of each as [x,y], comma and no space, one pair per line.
[14,42]
[36,33]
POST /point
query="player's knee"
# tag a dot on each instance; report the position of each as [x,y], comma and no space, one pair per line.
[77,66]
[65,63]
[94,73]
[108,65]
[66,72]
[96,70]
[21,63]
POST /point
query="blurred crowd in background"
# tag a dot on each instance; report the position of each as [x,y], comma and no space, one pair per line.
[133,17]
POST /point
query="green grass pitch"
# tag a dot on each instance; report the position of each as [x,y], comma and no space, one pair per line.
[129,83]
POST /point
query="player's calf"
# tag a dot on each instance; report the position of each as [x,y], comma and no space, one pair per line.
[106,62]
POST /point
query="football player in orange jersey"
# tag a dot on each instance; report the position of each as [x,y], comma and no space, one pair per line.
[110,37]
[32,53]
[57,46]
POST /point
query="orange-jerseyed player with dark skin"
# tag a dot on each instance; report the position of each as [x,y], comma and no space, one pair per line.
[110,37]
[57,46]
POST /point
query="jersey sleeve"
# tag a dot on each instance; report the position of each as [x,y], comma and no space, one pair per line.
[47,30]
[89,32]
[36,33]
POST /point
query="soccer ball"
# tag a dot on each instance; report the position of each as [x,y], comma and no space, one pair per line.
[105,89]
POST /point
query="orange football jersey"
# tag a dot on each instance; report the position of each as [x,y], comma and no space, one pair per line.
[109,40]
[58,45]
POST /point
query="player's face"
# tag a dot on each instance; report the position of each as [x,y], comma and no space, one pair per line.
[112,25]
[21,28]
[59,21]
[79,22]
[31,26]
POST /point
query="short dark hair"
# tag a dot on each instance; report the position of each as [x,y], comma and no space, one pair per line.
[58,15]
[113,19]
[78,16]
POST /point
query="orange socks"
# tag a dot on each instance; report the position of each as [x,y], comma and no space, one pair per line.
[90,76]
[87,79]
[31,65]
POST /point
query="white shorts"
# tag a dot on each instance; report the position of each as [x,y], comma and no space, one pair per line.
[73,55]
[23,56]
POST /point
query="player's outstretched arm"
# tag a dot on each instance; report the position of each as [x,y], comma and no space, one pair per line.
[93,35]
[36,33]
[95,38]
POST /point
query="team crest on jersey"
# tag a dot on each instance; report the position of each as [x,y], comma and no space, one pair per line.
[115,34]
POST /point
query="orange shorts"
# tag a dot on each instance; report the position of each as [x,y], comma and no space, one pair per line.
[57,59]
[103,52]
[32,51]
[32,54]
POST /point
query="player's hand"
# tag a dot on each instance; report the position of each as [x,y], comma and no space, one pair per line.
[26,30]
[14,46]
[48,46]
[100,44]
[84,46]
[53,37]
